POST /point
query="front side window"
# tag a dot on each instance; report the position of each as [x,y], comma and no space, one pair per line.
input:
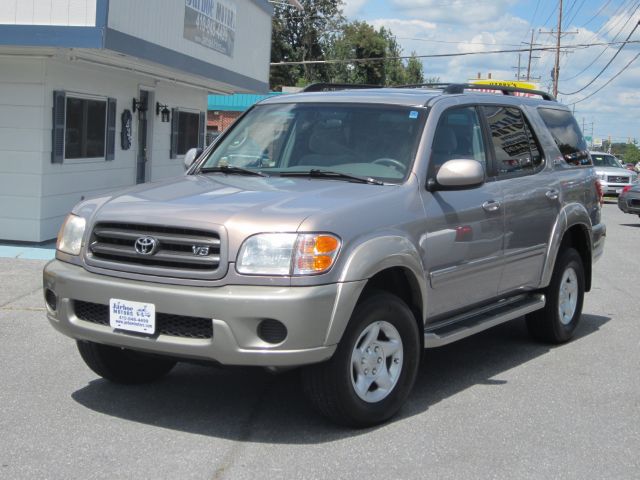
[85,128]
[458,136]
[376,141]
[567,135]
[516,149]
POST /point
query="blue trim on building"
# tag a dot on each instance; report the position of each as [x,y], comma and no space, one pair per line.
[102,13]
[51,36]
[136,47]
[238,102]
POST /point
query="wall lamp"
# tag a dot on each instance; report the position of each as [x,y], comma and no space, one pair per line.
[164,110]
[139,105]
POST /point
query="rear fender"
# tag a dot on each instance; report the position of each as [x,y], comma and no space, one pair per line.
[571,215]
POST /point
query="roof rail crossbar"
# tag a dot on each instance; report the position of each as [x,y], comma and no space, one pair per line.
[418,85]
[330,87]
[506,90]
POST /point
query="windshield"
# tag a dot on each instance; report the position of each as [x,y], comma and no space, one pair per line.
[360,140]
[604,160]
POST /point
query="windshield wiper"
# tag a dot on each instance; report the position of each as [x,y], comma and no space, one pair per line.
[231,169]
[315,173]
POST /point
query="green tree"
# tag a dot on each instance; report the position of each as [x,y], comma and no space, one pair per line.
[303,36]
[414,70]
[359,40]
[631,153]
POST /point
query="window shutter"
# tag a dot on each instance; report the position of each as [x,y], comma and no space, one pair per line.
[202,125]
[174,133]
[57,135]
[111,128]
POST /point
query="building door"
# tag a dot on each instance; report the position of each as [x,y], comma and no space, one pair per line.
[141,157]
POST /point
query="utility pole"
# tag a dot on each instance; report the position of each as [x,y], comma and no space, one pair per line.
[555,73]
[556,69]
[518,76]
[530,57]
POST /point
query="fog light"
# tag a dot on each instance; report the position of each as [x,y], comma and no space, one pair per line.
[51,299]
[272,331]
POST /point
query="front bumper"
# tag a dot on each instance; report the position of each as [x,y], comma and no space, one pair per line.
[610,188]
[308,313]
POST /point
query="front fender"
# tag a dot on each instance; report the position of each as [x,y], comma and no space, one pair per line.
[365,261]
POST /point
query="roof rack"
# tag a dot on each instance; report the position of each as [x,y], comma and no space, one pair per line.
[332,87]
[453,88]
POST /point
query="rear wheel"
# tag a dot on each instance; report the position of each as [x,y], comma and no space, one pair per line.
[123,366]
[557,321]
[374,367]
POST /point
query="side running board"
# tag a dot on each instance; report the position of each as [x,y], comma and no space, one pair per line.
[470,323]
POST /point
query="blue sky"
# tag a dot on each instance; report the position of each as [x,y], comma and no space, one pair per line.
[457,26]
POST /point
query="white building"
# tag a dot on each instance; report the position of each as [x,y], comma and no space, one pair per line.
[101,94]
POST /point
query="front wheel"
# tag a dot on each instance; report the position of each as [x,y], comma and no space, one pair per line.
[120,365]
[557,321]
[374,367]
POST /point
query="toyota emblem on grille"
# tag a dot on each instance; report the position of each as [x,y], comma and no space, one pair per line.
[146,245]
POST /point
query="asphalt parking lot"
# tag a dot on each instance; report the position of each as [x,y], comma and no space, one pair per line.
[496,405]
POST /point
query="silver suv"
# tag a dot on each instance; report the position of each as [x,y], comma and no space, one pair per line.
[613,176]
[343,231]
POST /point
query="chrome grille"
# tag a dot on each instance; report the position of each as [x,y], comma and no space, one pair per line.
[166,323]
[177,248]
[617,179]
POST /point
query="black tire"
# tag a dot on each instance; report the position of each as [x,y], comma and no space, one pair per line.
[330,385]
[548,325]
[123,366]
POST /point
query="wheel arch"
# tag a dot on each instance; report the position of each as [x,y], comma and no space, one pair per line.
[573,229]
[391,264]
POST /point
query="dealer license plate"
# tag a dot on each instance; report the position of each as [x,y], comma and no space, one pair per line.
[132,316]
[618,190]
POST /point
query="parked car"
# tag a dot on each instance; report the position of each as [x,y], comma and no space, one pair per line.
[342,232]
[629,199]
[612,174]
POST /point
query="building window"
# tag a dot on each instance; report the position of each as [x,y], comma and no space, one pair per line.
[82,127]
[188,129]
[85,128]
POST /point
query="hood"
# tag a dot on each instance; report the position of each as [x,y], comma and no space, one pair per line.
[239,205]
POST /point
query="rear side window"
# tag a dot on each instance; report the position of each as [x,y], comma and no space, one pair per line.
[516,149]
[567,135]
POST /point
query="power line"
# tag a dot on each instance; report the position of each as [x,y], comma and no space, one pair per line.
[596,14]
[441,55]
[609,81]
[607,65]
[604,49]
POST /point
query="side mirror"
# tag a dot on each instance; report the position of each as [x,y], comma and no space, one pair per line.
[191,156]
[459,173]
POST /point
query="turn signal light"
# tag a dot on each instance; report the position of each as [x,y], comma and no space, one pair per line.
[315,253]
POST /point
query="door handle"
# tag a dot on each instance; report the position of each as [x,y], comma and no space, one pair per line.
[491,206]
[552,194]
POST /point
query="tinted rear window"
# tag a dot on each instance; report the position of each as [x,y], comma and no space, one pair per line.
[567,135]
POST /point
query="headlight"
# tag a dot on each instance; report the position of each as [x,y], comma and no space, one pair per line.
[70,236]
[602,176]
[288,254]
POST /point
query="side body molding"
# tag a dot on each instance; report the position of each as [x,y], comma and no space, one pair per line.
[366,260]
